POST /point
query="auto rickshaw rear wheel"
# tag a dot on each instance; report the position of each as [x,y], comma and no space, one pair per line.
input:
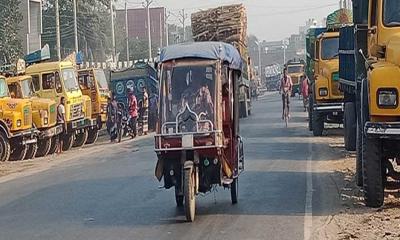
[80,138]
[32,149]
[93,135]
[190,198]
[234,191]
[44,146]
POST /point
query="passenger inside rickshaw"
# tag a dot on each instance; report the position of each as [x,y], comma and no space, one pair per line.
[191,86]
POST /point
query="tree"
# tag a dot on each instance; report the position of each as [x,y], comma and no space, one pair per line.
[10,44]
[94,29]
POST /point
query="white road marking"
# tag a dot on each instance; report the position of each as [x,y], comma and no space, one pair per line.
[309,196]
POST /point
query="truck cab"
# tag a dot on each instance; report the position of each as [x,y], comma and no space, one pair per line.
[18,137]
[54,80]
[327,97]
[44,113]
[93,83]
[296,72]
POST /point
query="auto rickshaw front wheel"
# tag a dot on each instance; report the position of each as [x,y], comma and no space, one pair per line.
[188,189]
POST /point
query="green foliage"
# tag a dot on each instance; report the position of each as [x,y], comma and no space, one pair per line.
[10,44]
[94,28]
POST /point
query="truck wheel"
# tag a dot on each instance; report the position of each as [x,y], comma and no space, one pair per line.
[44,146]
[178,197]
[317,124]
[18,152]
[5,149]
[350,124]
[234,191]
[32,149]
[190,198]
[93,134]
[54,145]
[80,138]
[68,140]
[359,174]
[374,173]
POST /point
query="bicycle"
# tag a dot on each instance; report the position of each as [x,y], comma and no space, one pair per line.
[286,108]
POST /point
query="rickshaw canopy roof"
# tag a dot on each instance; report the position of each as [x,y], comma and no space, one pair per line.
[206,50]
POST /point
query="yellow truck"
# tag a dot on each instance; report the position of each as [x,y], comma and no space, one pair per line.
[18,137]
[327,99]
[93,83]
[370,77]
[53,80]
[44,114]
[296,71]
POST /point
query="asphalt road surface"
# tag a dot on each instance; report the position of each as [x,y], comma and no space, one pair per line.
[110,192]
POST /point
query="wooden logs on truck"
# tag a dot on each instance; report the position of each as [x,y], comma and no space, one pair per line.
[226,24]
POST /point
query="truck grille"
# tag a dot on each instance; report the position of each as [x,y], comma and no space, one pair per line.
[295,80]
[76,111]
[88,108]
[27,116]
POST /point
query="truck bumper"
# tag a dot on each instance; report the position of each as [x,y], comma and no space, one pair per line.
[28,136]
[329,107]
[382,130]
[53,131]
[81,123]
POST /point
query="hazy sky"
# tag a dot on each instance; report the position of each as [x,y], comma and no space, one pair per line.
[267,19]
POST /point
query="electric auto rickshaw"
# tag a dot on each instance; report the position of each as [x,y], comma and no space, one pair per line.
[197,139]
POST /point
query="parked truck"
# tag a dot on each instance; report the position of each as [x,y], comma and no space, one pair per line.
[44,115]
[370,78]
[54,80]
[18,137]
[326,102]
[228,24]
[93,83]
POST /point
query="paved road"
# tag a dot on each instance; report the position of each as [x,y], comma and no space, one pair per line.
[109,192]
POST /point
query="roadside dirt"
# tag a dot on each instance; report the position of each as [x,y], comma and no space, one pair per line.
[354,220]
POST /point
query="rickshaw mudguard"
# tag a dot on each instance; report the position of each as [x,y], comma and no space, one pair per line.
[159,171]
[188,165]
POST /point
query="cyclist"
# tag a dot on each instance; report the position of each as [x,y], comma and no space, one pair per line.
[285,89]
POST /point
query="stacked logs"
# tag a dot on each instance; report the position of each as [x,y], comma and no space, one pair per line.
[225,24]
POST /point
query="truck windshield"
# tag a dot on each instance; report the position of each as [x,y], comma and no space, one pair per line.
[295,69]
[101,79]
[27,88]
[391,13]
[70,82]
[330,48]
[191,86]
[3,88]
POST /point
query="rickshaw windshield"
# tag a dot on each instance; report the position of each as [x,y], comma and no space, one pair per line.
[191,86]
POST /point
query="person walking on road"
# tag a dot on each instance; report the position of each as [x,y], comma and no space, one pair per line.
[285,89]
[112,118]
[61,120]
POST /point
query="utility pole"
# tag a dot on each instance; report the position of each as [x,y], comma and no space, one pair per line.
[161,31]
[148,3]
[76,28]
[166,29]
[58,37]
[183,22]
[112,29]
[126,32]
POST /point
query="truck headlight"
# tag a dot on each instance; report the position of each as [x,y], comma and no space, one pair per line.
[46,121]
[19,123]
[323,92]
[387,98]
